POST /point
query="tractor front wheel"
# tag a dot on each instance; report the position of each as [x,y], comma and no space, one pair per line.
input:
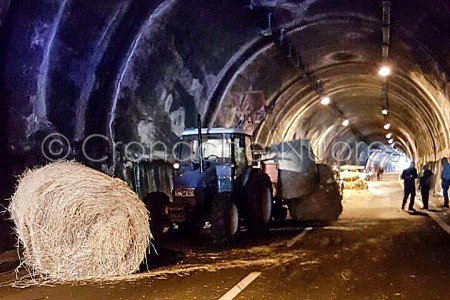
[224,218]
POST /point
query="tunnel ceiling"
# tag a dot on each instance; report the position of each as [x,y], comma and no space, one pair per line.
[343,51]
[141,70]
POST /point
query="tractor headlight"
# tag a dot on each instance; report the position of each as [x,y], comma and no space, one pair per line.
[185,192]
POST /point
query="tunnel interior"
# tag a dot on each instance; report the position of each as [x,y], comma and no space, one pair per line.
[104,75]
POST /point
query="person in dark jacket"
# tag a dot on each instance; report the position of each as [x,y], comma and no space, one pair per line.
[409,177]
[425,184]
[445,177]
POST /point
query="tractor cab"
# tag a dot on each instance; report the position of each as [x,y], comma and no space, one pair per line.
[218,146]
[226,151]
[212,170]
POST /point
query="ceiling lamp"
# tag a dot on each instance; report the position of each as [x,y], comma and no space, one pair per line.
[384,112]
[387,126]
[389,135]
[345,123]
[384,71]
[325,100]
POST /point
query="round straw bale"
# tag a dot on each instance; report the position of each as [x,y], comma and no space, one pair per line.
[75,223]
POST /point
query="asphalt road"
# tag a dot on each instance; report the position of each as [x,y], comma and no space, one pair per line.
[376,251]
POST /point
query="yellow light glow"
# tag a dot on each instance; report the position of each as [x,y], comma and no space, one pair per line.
[325,100]
[345,123]
[389,135]
[384,71]
[387,126]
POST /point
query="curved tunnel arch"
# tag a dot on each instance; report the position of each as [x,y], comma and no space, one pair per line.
[423,117]
[162,73]
[419,103]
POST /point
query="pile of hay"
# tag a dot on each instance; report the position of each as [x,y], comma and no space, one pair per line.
[75,223]
[356,185]
[353,181]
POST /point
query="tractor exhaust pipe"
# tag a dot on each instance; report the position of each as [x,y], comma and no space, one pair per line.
[200,139]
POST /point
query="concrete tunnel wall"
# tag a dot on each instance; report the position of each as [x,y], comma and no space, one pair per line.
[140,71]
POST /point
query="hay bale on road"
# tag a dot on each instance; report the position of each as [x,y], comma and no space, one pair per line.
[75,223]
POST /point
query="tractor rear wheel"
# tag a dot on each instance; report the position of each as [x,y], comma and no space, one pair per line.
[224,218]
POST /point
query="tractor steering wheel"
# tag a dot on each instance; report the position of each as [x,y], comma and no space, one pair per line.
[212,157]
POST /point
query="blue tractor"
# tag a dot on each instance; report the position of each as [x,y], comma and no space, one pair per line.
[217,181]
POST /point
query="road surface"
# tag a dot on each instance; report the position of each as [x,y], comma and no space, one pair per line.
[375,251]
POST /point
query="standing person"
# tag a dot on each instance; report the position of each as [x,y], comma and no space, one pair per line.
[425,184]
[409,177]
[445,177]
[378,173]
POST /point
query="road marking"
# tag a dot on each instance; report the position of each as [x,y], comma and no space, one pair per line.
[340,228]
[435,218]
[298,237]
[238,288]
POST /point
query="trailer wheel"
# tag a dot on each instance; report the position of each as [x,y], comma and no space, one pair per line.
[224,218]
[259,203]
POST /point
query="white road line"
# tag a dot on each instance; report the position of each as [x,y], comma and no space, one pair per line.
[340,228]
[238,288]
[298,237]
[435,218]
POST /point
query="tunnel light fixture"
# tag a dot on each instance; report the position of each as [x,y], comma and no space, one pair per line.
[325,100]
[384,71]
[384,112]
[387,126]
[345,123]
[389,135]
[391,141]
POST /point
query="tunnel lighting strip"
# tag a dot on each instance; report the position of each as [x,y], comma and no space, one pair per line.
[315,83]
[282,41]
[386,29]
[385,69]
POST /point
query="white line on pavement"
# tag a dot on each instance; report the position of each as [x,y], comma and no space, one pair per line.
[235,290]
[298,237]
[340,228]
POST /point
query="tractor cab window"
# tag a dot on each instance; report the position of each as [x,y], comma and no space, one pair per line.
[241,147]
[248,151]
[239,150]
[214,146]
